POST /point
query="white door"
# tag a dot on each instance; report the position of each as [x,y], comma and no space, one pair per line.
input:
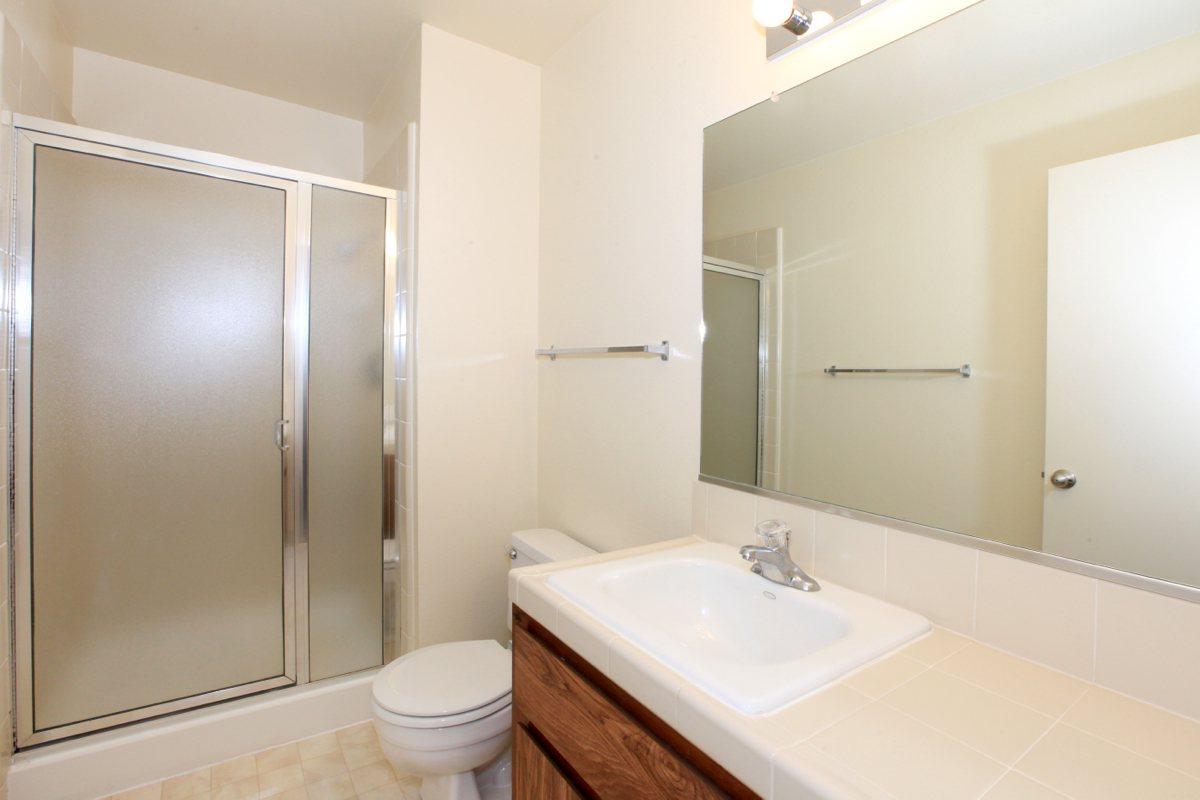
[1123,361]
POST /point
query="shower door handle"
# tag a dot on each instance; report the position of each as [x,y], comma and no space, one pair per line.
[279,428]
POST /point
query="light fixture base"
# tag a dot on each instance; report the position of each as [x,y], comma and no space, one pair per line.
[793,34]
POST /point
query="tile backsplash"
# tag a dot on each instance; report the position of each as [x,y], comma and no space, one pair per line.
[1135,642]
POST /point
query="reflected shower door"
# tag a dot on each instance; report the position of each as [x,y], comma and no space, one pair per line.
[153,378]
[731,387]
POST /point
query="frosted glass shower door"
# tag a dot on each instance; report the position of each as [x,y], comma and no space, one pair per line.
[154,395]
[347,462]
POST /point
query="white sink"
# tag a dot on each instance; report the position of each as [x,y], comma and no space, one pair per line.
[753,644]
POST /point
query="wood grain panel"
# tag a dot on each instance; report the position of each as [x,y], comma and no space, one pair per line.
[534,775]
[612,755]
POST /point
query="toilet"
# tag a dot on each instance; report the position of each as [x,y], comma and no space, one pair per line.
[444,711]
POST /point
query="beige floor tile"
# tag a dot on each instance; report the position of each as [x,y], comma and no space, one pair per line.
[907,758]
[882,677]
[339,787]
[276,758]
[244,789]
[321,767]
[411,784]
[232,771]
[356,755]
[150,792]
[391,791]
[362,733]
[1154,733]
[818,712]
[318,745]
[299,793]
[1015,786]
[372,776]
[987,722]
[187,785]
[1019,680]
[1081,765]
[279,780]
[938,645]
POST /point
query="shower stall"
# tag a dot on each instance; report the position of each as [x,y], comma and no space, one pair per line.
[202,382]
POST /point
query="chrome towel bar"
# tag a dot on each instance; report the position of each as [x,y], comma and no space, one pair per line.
[964,370]
[663,350]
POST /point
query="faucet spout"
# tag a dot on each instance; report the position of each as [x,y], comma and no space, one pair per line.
[772,560]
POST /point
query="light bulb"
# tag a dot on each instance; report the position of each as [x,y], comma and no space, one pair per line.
[820,19]
[772,13]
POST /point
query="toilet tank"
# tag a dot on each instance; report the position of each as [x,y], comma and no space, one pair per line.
[543,545]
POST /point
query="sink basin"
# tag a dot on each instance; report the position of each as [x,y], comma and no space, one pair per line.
[753,644]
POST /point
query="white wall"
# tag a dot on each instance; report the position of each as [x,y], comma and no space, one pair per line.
[624,105]
[43,52]
[476,326]
[398,104]
[125,97]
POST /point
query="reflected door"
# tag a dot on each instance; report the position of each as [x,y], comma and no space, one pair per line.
[1123,361]
[730,394]
[151,392]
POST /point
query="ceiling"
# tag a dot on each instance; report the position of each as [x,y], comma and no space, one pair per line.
[334,55]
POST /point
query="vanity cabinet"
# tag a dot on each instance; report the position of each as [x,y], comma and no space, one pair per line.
[578,734]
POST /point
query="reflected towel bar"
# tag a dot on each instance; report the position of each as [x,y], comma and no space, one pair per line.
[663,350]
[964,370]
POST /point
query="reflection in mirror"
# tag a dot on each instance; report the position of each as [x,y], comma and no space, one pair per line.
[1016,188]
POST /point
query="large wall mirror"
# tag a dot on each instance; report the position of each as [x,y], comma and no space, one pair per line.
[956,282]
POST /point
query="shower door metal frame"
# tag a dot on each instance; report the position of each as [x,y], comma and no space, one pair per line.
[30,131]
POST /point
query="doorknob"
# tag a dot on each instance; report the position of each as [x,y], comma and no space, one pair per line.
[1062,479]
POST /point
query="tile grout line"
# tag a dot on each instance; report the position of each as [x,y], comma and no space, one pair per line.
[1095,626]
[1007,771]
[887,536]
[1130,750]
[1021,756]
[1043,784]
[1001,695]
[975,599]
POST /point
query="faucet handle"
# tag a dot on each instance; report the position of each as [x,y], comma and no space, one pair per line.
[773,533]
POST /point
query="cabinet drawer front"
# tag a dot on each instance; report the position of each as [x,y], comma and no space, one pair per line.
[608,750]
[535,776]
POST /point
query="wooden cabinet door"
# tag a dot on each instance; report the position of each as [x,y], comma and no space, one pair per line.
[535,777]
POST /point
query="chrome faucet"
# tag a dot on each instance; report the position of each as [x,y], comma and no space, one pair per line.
[773,561]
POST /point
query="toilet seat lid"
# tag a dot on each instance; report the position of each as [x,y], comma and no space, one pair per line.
[445,679]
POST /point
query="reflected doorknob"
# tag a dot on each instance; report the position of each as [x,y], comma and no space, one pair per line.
[1062,479]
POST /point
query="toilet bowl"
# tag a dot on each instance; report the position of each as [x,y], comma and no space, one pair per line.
[444,711]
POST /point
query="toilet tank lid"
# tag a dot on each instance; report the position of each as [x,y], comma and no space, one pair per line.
[544,545]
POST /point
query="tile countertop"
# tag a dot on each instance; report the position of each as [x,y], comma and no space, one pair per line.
[944,717]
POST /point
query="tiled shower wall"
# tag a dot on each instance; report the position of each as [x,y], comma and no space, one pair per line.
[1136,642]
[763,249]
[24,88]
[396,169]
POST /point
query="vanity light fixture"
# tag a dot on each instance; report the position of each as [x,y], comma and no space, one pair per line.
[791,23]
[787,14]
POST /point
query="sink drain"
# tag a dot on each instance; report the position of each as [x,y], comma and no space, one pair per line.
[768,595]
